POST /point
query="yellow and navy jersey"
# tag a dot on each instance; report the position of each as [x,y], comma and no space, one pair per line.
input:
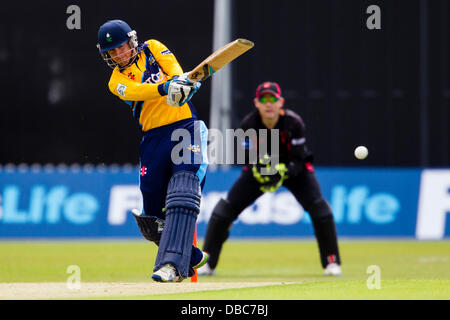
[140,85]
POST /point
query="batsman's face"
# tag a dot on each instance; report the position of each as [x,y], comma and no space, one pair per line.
[122,54]
[269,106]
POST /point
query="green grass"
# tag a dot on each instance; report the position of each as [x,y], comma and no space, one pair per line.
[326,290]
[409,269]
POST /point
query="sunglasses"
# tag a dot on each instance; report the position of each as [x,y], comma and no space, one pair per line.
[271,99]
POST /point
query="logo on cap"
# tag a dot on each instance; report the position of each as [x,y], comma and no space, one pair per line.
[108,37]
[268,87]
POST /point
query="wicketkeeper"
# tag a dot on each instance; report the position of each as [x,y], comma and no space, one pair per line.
[148,78]
[292,167]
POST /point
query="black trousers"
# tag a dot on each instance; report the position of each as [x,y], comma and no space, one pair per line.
[245,191]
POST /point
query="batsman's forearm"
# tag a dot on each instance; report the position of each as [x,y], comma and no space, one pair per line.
[130,90]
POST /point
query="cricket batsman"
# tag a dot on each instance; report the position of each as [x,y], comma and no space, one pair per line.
[149,79]
[293,169]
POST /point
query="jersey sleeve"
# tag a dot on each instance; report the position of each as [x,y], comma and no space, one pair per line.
[165,58]
[299,151]
[127,89]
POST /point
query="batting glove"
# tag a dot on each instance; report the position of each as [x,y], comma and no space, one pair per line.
[180,91]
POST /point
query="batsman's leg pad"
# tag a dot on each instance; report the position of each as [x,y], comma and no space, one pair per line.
[151,227]
[182,208]
[325,231]
[218,230]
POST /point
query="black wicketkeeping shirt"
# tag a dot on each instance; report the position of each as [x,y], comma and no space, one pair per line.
[291,138]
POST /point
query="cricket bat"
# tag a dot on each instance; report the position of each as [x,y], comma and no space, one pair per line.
[220,58]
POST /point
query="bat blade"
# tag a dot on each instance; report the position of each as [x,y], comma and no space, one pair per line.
[220,58]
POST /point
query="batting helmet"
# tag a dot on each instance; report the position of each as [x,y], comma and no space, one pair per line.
[113,34]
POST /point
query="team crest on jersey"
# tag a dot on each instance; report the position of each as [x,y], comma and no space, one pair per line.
[143,171]
[121,89]
[131,76]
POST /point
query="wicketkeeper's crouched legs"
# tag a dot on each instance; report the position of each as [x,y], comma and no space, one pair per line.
[325,231]
[182,209]
[243,193]
[218,231]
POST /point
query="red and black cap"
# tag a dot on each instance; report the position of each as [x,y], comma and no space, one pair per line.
[268,87]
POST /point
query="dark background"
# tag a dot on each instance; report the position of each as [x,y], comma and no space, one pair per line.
[386,89]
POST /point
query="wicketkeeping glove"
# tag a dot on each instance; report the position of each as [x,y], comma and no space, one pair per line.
[269,182]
